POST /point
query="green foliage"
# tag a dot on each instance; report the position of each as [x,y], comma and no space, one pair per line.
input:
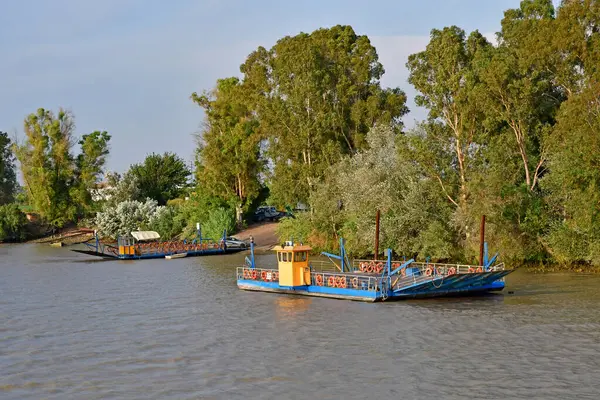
[58,184]
[120,189]
[127,216]
[316,95]
[12,223]
[47,164]
[8,176]
[299,229]
[89,167]
[444,76]
[164,222]
[160,177]
[219,219]
[573,184]
[414,217]
[229,161]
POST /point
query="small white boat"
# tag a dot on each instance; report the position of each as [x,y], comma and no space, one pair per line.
[176,255]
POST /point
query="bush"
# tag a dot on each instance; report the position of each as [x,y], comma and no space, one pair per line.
[125,217]
[218,220]
[164,222]
[12,223]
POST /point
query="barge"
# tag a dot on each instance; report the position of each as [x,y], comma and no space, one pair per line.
[146,245]
[368,280]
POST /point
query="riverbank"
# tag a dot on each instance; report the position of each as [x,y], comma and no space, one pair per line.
[264,234]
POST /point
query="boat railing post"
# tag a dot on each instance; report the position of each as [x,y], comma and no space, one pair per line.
[342,253]
[252,265]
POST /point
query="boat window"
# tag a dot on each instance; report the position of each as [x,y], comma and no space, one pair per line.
[300,256]
[290,256]
[304,253]
[283,257]
[279,257]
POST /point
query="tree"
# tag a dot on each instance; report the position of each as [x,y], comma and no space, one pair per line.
[8,176]
[90,166]
[229,162]
[415,219]
[161,177]
[12,223]
[574,179]
[126,217]
[517,91]
[447,146]
[47,164]
[316,96]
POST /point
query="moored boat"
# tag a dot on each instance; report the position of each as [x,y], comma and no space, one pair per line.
[368,280]
[146,245]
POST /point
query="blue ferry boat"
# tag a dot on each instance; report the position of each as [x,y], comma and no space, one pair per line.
[367,280]
[146,245]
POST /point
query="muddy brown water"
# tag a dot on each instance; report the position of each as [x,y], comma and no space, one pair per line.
[76,328]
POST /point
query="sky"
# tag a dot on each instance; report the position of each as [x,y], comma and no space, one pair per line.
[130,66]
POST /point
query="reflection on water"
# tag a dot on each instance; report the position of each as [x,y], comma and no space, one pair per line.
[291,307]
[73,327]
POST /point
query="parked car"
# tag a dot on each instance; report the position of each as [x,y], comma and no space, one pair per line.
[267,213]
[233,242]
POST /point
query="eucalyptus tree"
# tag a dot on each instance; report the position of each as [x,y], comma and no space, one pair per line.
[229,161]
[8,176]
[316,96]
[47,164]
[447,145]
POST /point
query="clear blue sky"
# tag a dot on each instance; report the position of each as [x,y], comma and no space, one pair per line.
[129,66]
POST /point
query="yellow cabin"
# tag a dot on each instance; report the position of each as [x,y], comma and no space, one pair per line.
[293,266]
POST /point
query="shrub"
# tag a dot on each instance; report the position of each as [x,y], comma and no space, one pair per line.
[12,223]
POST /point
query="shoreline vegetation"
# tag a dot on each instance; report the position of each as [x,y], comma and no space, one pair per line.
[511,133]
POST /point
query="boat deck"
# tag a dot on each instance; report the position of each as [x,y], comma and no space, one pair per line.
[418,280]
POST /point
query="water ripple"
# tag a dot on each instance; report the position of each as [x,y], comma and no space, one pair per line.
[182,330]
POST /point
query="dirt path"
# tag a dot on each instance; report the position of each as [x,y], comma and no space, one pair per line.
[264,235]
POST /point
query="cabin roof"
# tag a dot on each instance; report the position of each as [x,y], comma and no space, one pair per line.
[292,248]
[145,235]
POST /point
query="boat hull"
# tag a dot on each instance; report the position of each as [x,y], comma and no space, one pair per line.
[467,285]
[310,290]
[147,256]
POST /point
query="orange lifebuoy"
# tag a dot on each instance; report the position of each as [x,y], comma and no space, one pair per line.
[439,271]
[246,274]
[395,265]
[428,271]
[343,282]
[363,266]
[275,276]
[263,275]
[471,270]
[253,274]
[370,268]
[355,282]
[480,269]
[319,280]
[338,281]
[216,246]
[379,268]
[331,281]
[451,271]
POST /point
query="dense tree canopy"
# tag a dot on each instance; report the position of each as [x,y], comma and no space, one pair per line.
[58,183]
[160,177]
[8,176]
[316,96]
[229,164]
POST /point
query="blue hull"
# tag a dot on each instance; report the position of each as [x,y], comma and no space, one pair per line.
[457,285]
[147,256]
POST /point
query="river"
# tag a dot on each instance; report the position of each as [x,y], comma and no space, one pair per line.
[73,328]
